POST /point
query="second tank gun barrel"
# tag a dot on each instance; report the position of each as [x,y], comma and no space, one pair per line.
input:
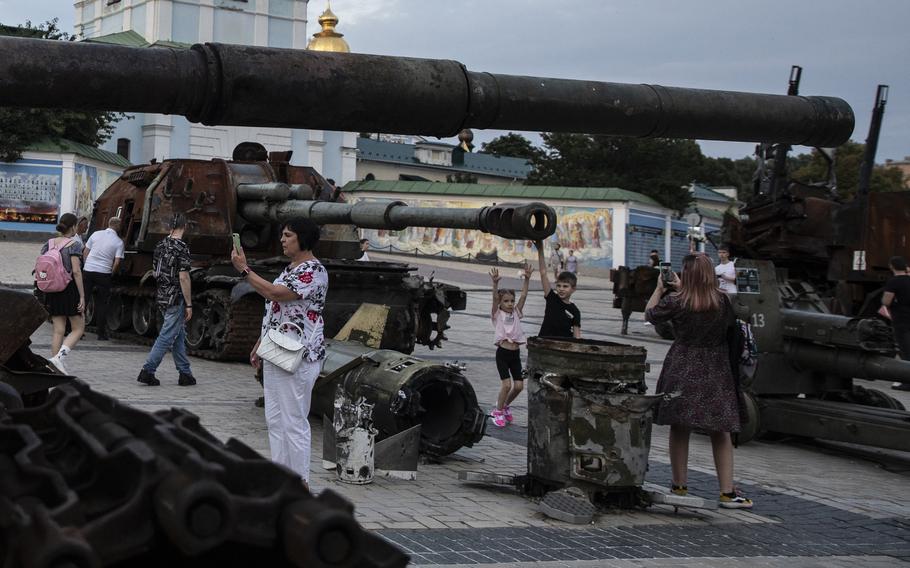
[533,221]
[847,363]
[220,84]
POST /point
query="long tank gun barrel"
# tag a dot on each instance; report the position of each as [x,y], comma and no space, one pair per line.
[220,84]
[534,221]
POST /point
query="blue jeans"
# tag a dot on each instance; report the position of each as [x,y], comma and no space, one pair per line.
[172,337]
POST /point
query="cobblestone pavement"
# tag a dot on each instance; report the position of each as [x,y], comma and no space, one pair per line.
[816,504]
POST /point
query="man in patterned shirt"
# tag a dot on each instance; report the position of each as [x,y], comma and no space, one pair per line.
[171,265]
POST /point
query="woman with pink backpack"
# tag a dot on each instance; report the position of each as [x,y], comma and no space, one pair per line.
[58,273]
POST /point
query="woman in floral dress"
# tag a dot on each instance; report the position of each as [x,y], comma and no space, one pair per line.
[697,374]
[296,296]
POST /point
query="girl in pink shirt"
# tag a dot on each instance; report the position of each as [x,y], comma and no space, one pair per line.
[506,316]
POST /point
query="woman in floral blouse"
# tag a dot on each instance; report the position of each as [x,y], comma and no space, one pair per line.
[296,296]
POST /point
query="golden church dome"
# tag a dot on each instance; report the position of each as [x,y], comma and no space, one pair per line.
[328,39]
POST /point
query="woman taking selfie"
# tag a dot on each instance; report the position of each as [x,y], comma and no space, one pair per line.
[294,301]
[697,373]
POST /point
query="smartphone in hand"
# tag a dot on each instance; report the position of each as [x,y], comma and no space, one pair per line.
[236,237]
[666,272]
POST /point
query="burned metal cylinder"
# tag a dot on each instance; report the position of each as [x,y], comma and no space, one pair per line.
[405,391]
[534,221]
[589,422]
[261,86]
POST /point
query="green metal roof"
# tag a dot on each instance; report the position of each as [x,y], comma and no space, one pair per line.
[539,192]
[130,38]
[488,164]
[708,193]
[84,150]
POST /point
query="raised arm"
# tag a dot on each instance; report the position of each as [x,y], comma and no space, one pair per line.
[494,276]
[266,289]
[542,267]
[528,271]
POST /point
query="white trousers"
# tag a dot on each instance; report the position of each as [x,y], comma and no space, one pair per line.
[287,404]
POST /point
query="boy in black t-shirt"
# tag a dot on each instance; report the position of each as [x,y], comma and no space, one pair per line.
[561,317]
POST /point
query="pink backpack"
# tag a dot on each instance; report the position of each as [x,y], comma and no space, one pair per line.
[50,272]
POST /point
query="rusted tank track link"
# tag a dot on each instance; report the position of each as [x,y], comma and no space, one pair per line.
[259,86]
[88,481]
[221,330]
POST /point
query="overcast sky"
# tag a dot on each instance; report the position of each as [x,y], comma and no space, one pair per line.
[846,47]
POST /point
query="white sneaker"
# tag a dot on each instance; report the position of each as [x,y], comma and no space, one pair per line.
[57,362]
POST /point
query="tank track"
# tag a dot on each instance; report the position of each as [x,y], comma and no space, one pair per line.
[90,481]
[237,332]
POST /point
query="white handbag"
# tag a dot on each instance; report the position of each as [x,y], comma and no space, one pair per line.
[282,350]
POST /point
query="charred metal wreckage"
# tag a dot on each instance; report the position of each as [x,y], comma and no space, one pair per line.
[811,269]
[87,481]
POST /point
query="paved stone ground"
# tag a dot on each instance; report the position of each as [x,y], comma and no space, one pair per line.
[816,504]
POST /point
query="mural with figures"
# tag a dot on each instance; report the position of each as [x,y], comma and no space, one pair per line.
[85,183]
[586,230]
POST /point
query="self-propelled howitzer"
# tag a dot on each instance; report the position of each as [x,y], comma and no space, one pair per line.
[220,84]
[252,196]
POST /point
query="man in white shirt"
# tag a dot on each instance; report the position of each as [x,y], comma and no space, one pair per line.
[725,271]
[103,252]
[364,247]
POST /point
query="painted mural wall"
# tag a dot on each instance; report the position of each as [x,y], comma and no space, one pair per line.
[30,191]
[586,230]
[85,184]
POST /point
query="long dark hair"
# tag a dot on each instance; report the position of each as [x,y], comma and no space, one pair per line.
[698,285]
[306,230]
[67,222]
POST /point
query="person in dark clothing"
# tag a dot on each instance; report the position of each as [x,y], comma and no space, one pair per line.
[561,317]
[696,373]
[896,300]
[654,257]
[172,274]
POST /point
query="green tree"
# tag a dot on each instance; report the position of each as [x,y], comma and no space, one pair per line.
[659,168]
[512,145]
[848,161]
[19,128]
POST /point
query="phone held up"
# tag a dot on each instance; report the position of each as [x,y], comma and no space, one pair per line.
[236,237]
[666,272]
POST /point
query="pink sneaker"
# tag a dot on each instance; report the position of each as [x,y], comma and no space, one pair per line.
[507,414]
[498,418]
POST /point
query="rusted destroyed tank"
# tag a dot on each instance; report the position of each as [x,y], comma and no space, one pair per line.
[811,268]
[252,195]
[831,251]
